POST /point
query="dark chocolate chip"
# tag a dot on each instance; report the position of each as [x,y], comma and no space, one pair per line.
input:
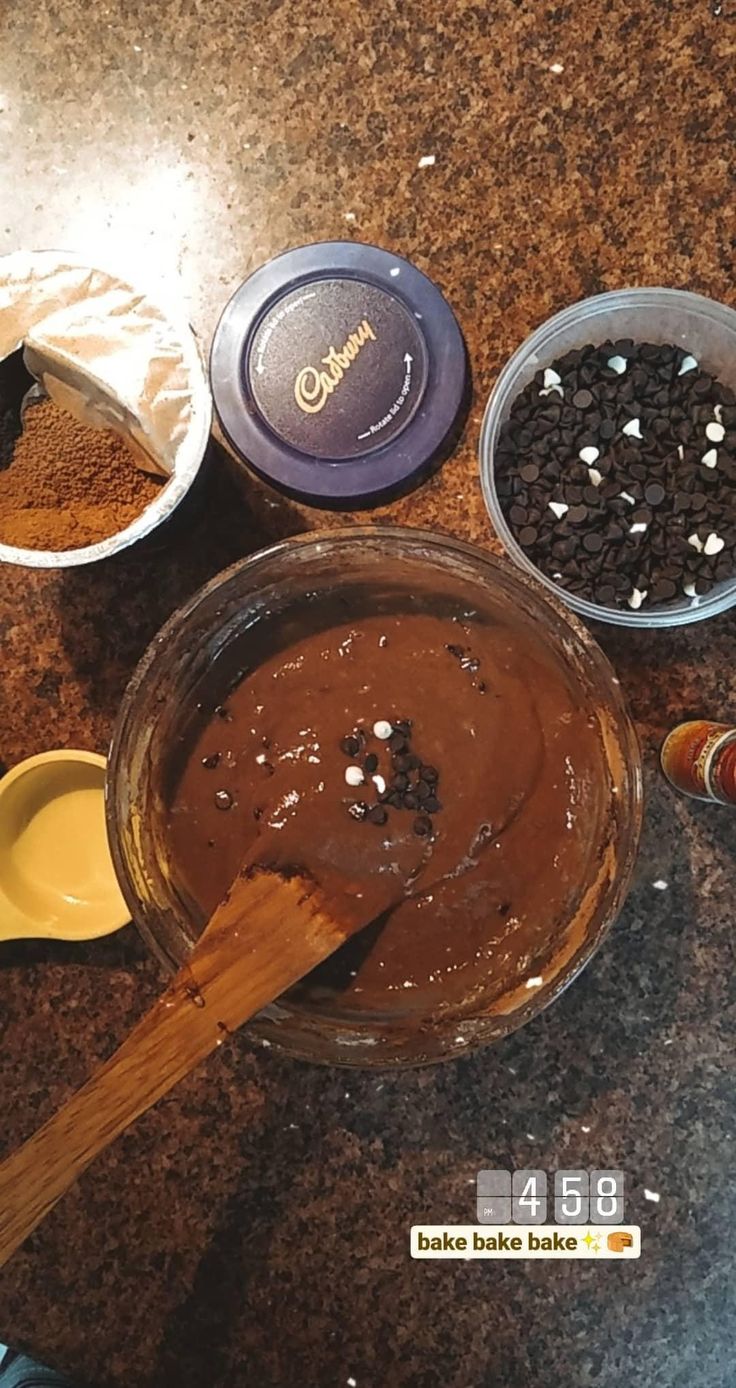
[212,760]
[350,745]
[593,542]
[377,814]
[654,493]
[223,799]
[422,826]
[662,590]
[371,762]
[582,399]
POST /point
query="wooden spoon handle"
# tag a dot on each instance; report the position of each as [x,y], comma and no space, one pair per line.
[265,935]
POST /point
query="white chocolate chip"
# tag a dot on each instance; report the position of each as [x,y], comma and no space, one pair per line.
[710,459]
[637,597]
[559,508]
[382,729]
[715,432]
[638,528]
[695,541]
[617,364]
[689,589]
[354,776]
[589,455]
[626,496]
[688,364]
[633,429]
[595,476]
[680,452]
[557,390]
[379,783]
[714,544]
[551,377]
[718,412]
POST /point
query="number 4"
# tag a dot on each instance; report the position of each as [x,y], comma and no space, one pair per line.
[529,1200]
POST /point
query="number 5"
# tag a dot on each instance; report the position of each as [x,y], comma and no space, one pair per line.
[572,1196]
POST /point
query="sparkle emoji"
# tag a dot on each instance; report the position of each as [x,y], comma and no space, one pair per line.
[619,1240]
[593,1241]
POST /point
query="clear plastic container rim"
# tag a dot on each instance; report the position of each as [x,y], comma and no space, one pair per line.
[507,385]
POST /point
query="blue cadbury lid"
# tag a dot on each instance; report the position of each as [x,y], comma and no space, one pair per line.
[338,373]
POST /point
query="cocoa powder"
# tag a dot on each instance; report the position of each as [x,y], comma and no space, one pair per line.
[67,485]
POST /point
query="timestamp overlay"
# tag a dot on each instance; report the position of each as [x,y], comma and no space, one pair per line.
[571,1213]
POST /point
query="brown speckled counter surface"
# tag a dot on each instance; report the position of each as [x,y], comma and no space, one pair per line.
[253,1229]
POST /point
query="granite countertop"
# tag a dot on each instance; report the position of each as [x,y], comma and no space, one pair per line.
[254,1227]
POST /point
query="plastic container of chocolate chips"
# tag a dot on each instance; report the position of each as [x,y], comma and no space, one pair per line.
[701,326]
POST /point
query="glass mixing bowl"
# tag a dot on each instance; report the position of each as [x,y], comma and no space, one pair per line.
[422,573]
[705,327]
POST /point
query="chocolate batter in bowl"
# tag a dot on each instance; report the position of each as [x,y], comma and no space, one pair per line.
[372,701]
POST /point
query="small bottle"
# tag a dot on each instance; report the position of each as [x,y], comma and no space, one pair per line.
[699,758]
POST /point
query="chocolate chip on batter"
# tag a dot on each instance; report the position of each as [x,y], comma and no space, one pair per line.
[223,799]
[422,825]
[377,814]
[350,745]
[212,760]
[371,762]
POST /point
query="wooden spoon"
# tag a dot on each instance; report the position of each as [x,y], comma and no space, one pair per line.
[269,931]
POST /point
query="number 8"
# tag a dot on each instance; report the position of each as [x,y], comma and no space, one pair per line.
[603,1195]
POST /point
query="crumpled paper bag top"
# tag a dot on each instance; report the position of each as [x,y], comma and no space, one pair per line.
[102,351]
